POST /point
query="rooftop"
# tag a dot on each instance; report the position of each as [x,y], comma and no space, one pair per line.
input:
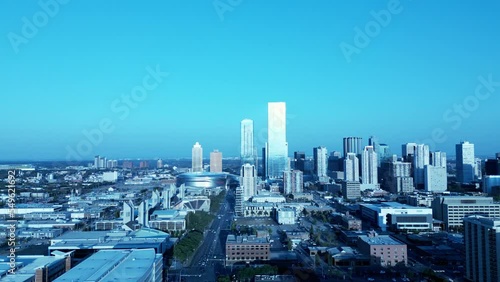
[113,265]
[27,266]
[380,240]
[252,239]
[392,205]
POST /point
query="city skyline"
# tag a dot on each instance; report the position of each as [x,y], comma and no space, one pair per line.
[72,75]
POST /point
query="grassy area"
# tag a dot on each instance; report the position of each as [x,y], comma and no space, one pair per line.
[188,245]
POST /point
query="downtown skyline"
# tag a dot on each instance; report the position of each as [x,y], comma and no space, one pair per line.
[209,74]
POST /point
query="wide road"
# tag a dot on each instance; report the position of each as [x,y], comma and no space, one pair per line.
[208,261]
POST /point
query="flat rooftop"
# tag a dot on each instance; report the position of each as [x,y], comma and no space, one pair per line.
[144,238]
[380,240]
[252,239]
[392,205]
[113,265]
[27,266]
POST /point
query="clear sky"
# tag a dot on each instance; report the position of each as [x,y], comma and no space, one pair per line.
[65,68]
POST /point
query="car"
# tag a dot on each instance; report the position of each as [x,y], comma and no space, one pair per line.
[371,279]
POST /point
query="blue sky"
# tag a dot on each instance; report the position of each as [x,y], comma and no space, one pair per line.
[401,87]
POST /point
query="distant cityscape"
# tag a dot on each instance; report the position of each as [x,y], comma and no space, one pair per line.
[364,212]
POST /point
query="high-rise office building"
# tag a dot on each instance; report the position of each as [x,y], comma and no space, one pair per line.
[247,147]
[216,161]
[277,146]
[438,158]
[159,163]
[353,145]
[299,159]
[465,163]
[197,158]
[335,161]
[373,141]
[248,181]
[238,206]
[383,153]
[96,161]
[297,181]
[492,166]
[351,167]
[436,179]
[398,178]
[320,155]
[482,248]
[287,182]
[369,166]
[408,151]
[420,160]
[478,169]
[293,181]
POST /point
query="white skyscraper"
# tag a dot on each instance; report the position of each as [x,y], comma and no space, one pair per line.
[197,158]
[276,147]
[320,155]
[408,151]
[247,148]
[351,167]
[216,161]
[369,166]
[466,164]
[248,181]
[436,179]
[420,160]
[297,181]
[438,158]
[293,181]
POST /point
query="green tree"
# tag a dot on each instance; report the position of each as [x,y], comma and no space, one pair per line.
[224,278]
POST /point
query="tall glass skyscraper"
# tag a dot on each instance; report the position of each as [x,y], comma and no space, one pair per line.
[247,148]
[421,158]
[353,145]
[369,166]
[466,164]
[197,158]
[320,155]
[276,147]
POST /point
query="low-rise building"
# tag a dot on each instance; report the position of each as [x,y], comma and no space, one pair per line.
[397,216]
[247,249]
[286,215]
[383,249]
[168,220]
[118,265]
[350,222]
[34,268]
